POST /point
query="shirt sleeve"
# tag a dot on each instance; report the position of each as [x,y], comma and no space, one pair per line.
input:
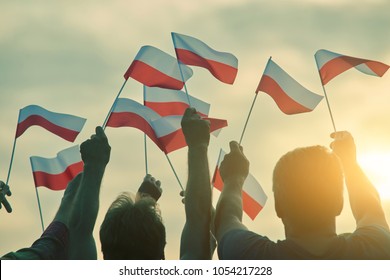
[52,245]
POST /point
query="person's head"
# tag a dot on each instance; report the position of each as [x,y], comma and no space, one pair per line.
[308,187]
[133,230]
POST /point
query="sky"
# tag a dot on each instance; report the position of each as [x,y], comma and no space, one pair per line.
[70,57]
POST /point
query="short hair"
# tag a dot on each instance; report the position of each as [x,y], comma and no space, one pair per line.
[132,231]
[308,184]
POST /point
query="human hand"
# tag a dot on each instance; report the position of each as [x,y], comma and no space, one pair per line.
[149,187]
[196,130]
[96,150]
[5,191]
[234,164]
[344,147]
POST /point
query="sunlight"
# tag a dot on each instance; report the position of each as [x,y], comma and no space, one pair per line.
[377,167]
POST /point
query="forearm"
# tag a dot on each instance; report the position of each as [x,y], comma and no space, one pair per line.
[86,205]
[364,198]
[195,243]
[229,208]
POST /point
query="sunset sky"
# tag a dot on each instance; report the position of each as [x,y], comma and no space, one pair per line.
[70,57]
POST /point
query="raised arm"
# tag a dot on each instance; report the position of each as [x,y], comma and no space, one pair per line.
[195,238]
[234,170]
[5,191]
[95,152]
[364,199]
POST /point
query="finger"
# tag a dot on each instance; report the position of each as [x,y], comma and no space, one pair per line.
[8,192]
[189,112]
[182,193]
[158,183]
[100,132]
[7,206]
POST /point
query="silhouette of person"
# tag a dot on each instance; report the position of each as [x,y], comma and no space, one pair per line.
[308,191]
[70,233]
[195,239]
[132,228]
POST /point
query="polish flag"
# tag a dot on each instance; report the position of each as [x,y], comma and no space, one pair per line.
[167,102]
[155,68]
[56,173]
[289,95]
[63,125]
[165,132]
[331,64]
[129,113]
[169,132]
[253,195]
[192,51]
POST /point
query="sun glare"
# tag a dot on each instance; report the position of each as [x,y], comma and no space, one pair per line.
[377,168]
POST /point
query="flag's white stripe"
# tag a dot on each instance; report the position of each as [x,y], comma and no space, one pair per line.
[323,56]
[196,46]
[64,120]
[166,125]
[291,87]
[156,94]
[127,105]
[58,164]
[254,189]
[163,62]
[365,69]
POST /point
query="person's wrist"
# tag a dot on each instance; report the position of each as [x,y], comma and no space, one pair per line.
[199,146]
[234,179]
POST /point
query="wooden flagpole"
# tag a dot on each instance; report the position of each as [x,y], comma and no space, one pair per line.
[113,105]
[181,72]
[326,97]
[250,110]
[174,172]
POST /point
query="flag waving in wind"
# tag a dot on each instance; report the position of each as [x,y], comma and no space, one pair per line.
[331,64]
[155,68]
[56,173]
[167,102]
[289,95]
[63,125]
[253,195]
[165,132]
[192,51]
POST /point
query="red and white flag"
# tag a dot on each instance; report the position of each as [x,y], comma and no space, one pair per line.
[331,64]
[168,131]
[167,102]
[289,95]
[253,195]
[56,173]
[165,132]
[155,68]
[191,51]
[129,113]
[63,125]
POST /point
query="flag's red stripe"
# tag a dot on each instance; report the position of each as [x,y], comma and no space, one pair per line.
[379,68]
[250,206]
[176,140]
[337,66]
[130,119]
[284,102]
[62,132]
[151,77]
[167,108]
[223,72]
[340,64]
[173,141]
[57,182]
